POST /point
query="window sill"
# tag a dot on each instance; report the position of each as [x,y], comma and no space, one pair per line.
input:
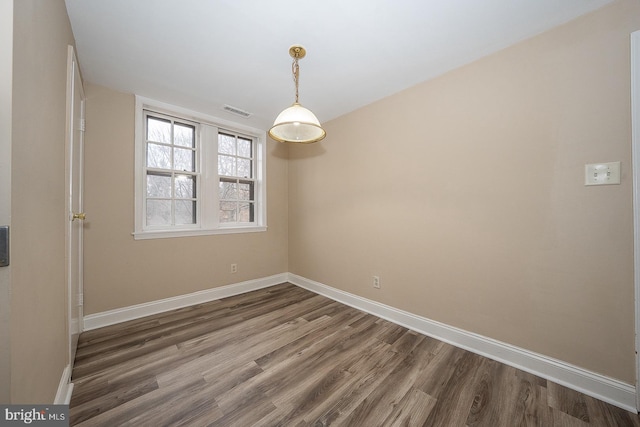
[165,234]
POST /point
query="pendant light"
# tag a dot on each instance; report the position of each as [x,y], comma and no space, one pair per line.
[296,123]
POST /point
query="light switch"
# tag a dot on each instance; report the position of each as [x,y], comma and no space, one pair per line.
[4,246]
[602,173]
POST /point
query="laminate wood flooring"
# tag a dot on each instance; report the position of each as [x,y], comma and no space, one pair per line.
[284,356]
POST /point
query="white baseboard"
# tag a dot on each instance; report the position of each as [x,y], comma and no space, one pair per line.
[590,383]
[65,388]
[593,384]
[111,317]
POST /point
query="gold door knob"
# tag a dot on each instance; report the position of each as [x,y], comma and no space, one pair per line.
[81,216]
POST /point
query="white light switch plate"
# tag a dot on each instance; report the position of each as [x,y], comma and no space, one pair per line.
[602,173]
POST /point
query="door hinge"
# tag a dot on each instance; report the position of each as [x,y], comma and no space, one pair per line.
[83,125]
[80,299]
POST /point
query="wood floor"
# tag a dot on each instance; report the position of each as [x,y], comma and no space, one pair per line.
[284,356]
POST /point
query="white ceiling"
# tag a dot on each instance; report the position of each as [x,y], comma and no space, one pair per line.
[202,54]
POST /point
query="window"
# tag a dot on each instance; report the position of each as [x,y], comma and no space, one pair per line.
[196,174]
[235,169]
[171,175]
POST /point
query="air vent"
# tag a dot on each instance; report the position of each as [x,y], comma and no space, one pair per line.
[236,111]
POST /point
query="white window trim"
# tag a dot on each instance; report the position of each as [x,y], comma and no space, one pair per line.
[208,224]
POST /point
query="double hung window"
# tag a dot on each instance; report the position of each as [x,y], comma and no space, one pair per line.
[237,183]
[196,174]
[171,173]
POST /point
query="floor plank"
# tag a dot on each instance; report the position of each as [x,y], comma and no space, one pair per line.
[284,356]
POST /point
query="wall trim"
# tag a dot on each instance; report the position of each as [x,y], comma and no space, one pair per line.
[590,383]
[119,315]
[65,388]
[635,160]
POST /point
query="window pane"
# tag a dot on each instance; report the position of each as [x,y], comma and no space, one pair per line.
[185,212]
[244,147]
[185,187]
[184,135]
[228,190]
[158,185]
[158,212]
[245,212]
[226,144]
[245,191]
[227,211]
[244,168]
[184,160]
[158,130]
[226,165]
[158,156]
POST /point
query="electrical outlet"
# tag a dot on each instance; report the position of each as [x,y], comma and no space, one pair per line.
[234,268]
[376,282]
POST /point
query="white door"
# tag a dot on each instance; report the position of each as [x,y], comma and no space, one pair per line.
[74,171]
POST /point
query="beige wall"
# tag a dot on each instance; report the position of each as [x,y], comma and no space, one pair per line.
[39,348]
[121,271]
[465,195]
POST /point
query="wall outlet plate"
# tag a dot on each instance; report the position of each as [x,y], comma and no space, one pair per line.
[602,173]
[376,282]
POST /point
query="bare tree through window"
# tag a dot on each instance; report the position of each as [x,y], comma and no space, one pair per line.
[171,171]
[236,165]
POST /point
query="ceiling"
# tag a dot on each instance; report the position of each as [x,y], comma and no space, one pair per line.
[203,54]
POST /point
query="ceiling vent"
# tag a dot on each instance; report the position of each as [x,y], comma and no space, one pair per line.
[236,111]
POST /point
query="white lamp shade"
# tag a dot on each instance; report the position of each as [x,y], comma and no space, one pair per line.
[297,124]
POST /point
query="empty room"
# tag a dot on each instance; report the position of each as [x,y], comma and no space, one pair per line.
[350,213]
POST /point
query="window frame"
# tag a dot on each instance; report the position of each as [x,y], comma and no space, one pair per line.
[207,178]
[172,172]
[237,156]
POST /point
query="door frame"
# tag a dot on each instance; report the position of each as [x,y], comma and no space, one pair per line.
[635,159]
[6,90]
[73,82]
